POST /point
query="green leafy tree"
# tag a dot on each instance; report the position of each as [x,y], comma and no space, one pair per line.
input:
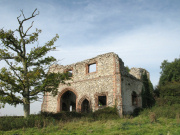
[170,71]
[26,75]
[169,83]
[169,93]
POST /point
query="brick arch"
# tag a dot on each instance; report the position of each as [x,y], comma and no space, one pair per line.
[60,95]
[81,100]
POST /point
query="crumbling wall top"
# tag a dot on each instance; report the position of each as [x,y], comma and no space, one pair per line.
[105,66]
[138,72]
[58,67]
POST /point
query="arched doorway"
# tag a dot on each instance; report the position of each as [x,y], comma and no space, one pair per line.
[85,107]
[68,101]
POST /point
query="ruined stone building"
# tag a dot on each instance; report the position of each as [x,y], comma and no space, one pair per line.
[96,83]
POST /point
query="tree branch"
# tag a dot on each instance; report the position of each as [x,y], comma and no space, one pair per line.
[22,13]
[15,72]
[10,41]
[6,58]
[18,18]
[16,49]
[29,28]
[32,16]
[22,34]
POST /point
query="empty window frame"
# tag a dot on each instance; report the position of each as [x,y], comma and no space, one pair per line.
[134,99]
[91,68]
[102,100]
[70,73]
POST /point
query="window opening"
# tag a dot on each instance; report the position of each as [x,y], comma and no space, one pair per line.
[92,68]
[134,98]
[101,100]
[69,73]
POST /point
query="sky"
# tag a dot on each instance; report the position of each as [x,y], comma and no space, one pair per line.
[143,33]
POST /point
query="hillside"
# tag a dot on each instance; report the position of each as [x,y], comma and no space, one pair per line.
[157,121]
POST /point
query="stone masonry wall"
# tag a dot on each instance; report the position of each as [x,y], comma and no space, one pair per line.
[138,72]
[128,86]
[85,84]
[110,79]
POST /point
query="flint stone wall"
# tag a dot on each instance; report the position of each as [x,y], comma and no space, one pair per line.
[110,80]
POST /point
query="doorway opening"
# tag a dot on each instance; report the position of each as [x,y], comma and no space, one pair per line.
[85,107]
[68,101]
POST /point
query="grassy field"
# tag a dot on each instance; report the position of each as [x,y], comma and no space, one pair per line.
[136,126]
[106,122]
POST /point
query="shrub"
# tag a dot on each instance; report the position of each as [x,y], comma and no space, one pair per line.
[16,122]
[169,93]
[152,117]
[64,116]
[105,113]
[45,119]
[166,111]
[137,111]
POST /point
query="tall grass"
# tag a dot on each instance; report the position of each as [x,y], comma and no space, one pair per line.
[104,114]
[46,119]
[102,118]
[166,111]
[13,122]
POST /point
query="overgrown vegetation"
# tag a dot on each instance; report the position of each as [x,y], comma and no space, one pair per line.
[127,69]
[170,71]
[166,111]
[168,90]
[45,119]
[147,92]
[169,93]
[105,121]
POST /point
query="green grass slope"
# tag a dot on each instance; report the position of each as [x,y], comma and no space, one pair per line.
[154,121]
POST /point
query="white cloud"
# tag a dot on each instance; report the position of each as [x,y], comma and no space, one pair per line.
[146,47]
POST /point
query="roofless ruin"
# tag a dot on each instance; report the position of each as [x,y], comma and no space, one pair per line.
[97,83]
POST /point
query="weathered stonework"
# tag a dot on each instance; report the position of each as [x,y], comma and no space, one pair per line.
[138,72]
[110,85]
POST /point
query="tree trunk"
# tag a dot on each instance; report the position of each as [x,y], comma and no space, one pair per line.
[26,105]
[26,91]
[26,110]
[26,82]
